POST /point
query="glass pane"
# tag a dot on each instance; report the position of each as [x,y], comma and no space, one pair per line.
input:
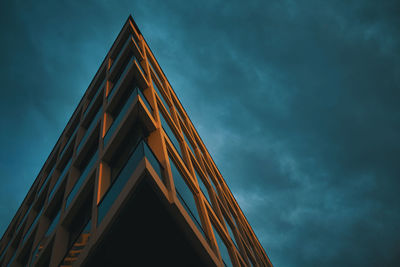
[77,247]
[32,225]
[120,79]
[185,195]
[189,144]
[35,255]
[53,224]
[203,188]
[120,53]
[170,134]
[119,118]
[60,178]
[155,72]
[222,249]
[153,161]
[90,106]
[140,67]
[12,259]
[160,95]
[45,181]
[92,124]
[231,233]
[81,179]
[69,141]
[23,219]
[120,181]
[145,101]
[5,249]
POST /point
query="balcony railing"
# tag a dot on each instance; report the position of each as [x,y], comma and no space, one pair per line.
[123,112]
[60,179]
[90,106]
[32,225]
[92,124]
[142,150]
[81,179]
[120,53]
[45,181]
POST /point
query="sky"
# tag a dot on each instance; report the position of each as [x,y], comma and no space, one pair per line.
[296,101]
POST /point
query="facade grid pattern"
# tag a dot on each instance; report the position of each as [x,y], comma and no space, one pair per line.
[129,122]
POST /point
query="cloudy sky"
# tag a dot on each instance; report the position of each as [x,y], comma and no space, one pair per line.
[297,102]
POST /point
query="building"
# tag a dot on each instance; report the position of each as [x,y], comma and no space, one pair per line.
[130,181]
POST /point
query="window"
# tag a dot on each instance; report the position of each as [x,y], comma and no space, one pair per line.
[203,188]
[185,195]
[161,96]
[85,170]
[222,248]
[170,134]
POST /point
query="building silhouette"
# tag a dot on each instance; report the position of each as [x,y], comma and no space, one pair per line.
[130,182]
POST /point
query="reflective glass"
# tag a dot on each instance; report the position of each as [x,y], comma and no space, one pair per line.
[45,181]
[189,144]
[69,142]
[153,161]
[185,195]
[60,178]
[119,118]
[5,249]
[140,67]
[53,224]
[203,188]
[120,181]
[32,225]
[120,53]
[12,259]
[120,79]
[35,254]
[222,249]
[23,219]
[155,72]
[99,90]
[77,246]
[170,134]
[160,95]
[144,100]
[81,179]
[92,124]
[231,233]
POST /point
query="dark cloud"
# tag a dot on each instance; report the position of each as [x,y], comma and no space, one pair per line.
[297,103]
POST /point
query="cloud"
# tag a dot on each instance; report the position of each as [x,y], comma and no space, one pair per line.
[296,102]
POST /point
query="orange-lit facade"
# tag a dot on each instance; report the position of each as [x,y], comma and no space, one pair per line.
[130,181]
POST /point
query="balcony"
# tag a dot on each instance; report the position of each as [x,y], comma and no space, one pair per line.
[122,114]
[82,178]
[141,151]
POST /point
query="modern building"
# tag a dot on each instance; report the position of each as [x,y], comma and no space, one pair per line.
[130,182]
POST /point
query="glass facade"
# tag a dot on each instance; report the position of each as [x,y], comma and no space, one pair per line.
[32,226]
[203,188]
[53,224]
[185,195]
[81,179]
[160,95]
[60,178]
[121,77]
[223,250]
[89,130]
[118,165]
[123,112]
[45,181]
[142,150]
[170,134]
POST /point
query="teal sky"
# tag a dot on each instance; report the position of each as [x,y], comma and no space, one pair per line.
[297,102]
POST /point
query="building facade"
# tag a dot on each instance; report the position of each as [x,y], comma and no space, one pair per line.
[130,182]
